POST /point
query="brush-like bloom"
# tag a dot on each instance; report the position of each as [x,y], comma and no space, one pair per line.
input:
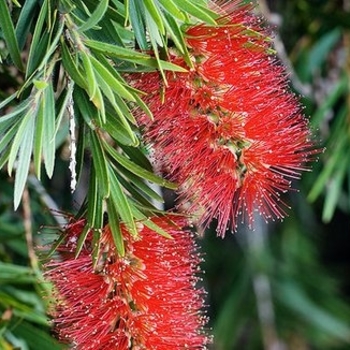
[147,299]
[228,131]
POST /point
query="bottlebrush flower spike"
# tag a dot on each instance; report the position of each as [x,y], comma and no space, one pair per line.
[147,299]
[228,131]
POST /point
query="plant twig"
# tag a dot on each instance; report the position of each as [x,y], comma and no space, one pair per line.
[27,223]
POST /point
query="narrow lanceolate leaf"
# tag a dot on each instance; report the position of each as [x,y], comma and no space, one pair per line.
[82,239]
[121,202]
[7,100]
[177,36]
[115,50]
[137,170]
[9,34]
[116,130]
[20,135]
[14,115]
[6,138]
[123,113]
[113,222]
[38,138]
[90,75]
[71,67]
[155,13]
[23,161]
[188,6]
[173,9]
[100,164]
[136,8]
[154,32]
[334,188]
[141,187]
[95,17]
[96,235]
[49,147]
[110,79]
[35,44]
[149,223]
[95,202]
[24,22]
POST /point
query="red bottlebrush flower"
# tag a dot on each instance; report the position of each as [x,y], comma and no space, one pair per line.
[228,130]
[147,299]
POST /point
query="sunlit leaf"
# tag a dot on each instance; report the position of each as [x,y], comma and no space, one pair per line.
[49,146]
[23,161]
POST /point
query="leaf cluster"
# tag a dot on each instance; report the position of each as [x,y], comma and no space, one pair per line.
[70,57]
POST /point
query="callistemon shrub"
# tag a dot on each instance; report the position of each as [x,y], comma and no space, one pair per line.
[146,299]
[228,131]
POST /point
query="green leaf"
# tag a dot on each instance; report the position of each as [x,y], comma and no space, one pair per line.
[149,223]
[23,162]
[332,164]
[100,164]
[25,20]
[321,50]
[117,131]
[22,129]
[121,202]
[123,112]
[12,117]
[81,143]
[296,299]
[36,337]
[38,138]
[139,191]
[87,110]
[82,239]
[90,75]
[9,34]
[15,274]
[7,101]
[200,12]
[96,251]
[115,50]
[177,36]
[328,102]
[138,157]
[153,30]
[63,104]
[113,223]
[95,17]
[153,10]
[95,202]
[137,170]
[49,146]
[7,137]
[334,188]
[35,43]
[136,8]
[173,9]
[71,68]
[22,310]
[110,79]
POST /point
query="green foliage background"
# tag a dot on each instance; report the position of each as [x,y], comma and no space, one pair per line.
[286,283]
